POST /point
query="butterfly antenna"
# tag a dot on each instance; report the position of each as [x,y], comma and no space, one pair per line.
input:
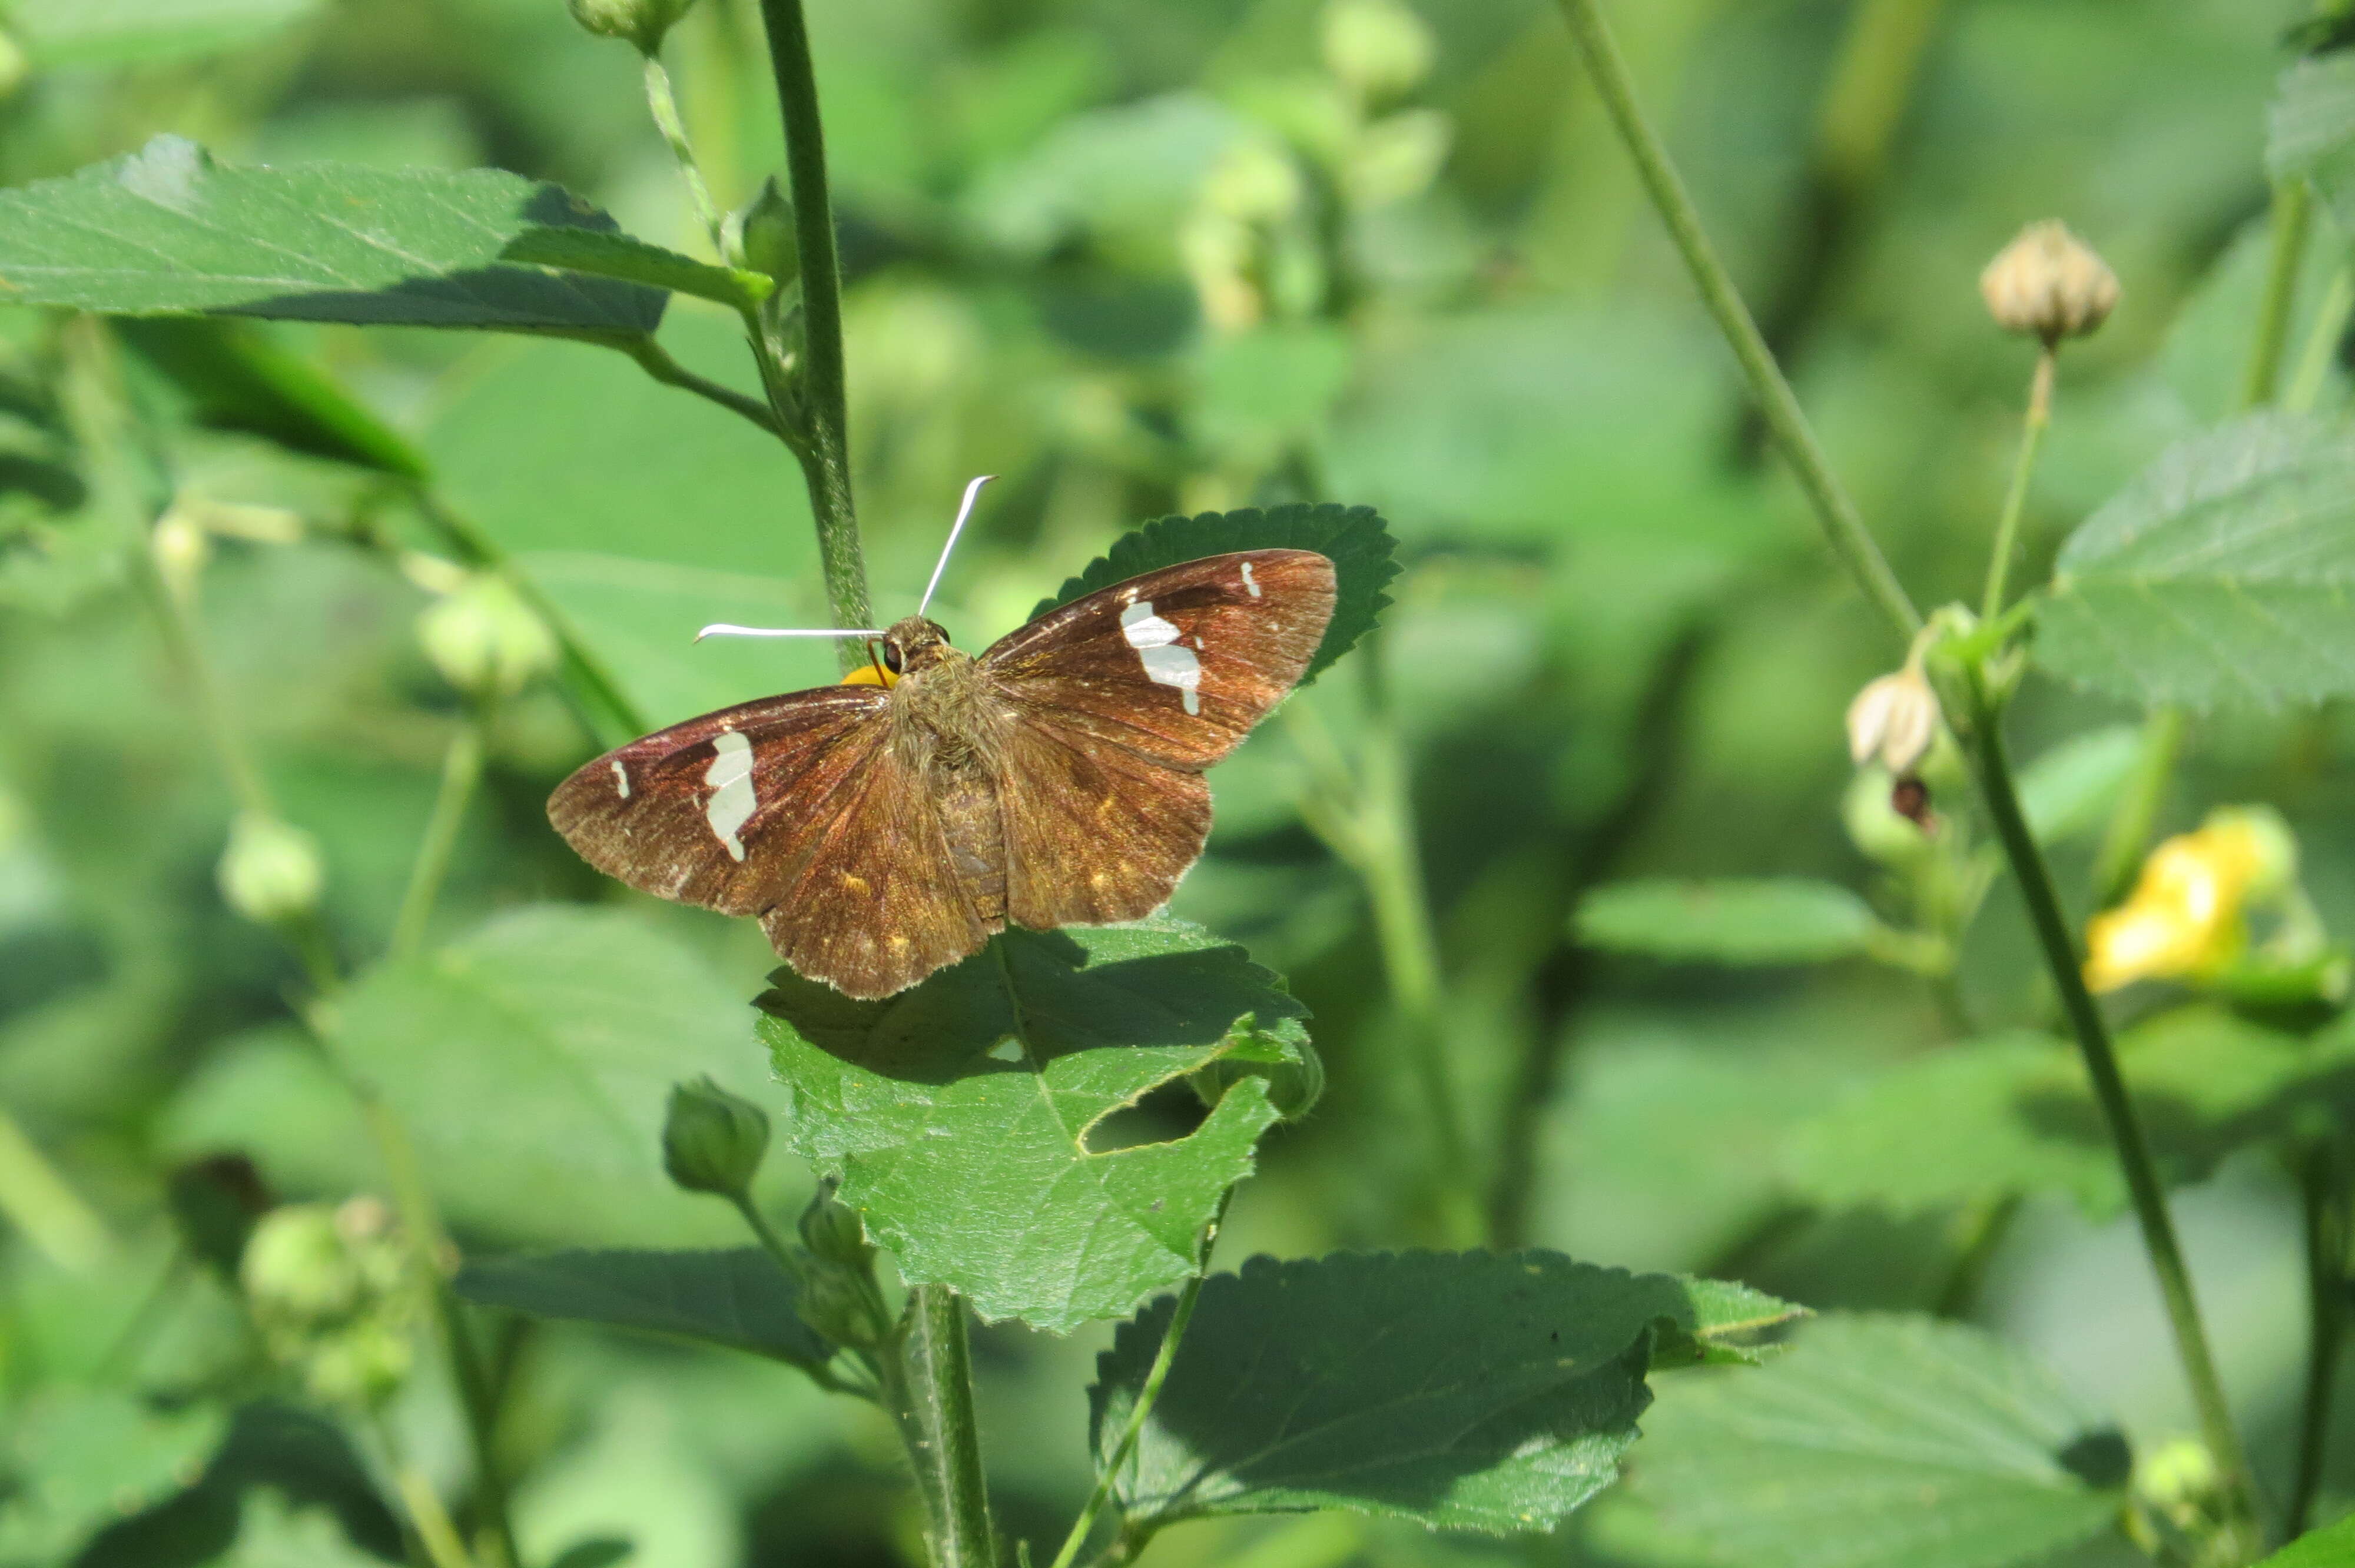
[964,510]
[721,629]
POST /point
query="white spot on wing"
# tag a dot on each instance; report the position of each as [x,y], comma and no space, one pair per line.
[1248,582]
[621,778]
[730,778]
[1156,644]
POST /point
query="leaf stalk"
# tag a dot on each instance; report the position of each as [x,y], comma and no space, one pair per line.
[462,771]
[928,1386]
[819,376]
[1843,525]
[2015,501]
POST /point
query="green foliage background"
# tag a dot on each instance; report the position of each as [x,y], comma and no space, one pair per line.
[1616,652]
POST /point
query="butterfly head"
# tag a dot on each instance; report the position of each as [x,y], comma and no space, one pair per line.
[914,645]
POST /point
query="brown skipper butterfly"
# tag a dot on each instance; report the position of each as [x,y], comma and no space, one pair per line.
[883,831]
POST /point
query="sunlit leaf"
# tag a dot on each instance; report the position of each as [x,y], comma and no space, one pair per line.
[168,231]
[1881,1443]
[2070,789]
[965,1117]
[2310,131]
[2222,574]
[128,32]
[1467,1390]
[2330,1547]
[1355,538]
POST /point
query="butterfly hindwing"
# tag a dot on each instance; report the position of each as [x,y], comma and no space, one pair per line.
[718,810]
[1094,834]
[878,901]
[1176,665]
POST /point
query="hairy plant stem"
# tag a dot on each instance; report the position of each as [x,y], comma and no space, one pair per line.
[2292,211]
[430,1253]
[1108,1474]
[2015,501]
[928,1388]
[818,378]
[1843,527]
[664,107]
[2323,1201]
[462,771]
[1992,764]
[1845,530]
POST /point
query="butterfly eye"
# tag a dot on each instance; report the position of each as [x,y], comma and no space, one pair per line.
[891,659]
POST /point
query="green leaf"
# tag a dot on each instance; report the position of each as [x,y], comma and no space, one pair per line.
[2223,573]
[167,231]
[2070,789]
[530,1063]
[1465,1391]
[239,380]
[2310,132]
[2333,1547]
[1355,538]
[738,1299]
[1728,921]
[1881,1443]
[964,1118]
[78,1459]
[606,254]
[2013,1114]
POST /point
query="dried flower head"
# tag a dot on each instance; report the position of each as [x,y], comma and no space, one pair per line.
[1893,720]
[2049,284]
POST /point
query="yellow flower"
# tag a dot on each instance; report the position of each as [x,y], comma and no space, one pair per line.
[2186,916]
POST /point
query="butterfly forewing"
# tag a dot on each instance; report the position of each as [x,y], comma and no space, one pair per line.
[722,810]
[1178,664]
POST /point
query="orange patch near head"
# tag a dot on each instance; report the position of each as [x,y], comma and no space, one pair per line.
[872,675]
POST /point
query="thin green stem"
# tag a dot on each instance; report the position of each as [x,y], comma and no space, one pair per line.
[1843,527]
[928,1386]
[2122,842]
[430,1250]
[657,362]
[2322,1194]
[461,770]
[1108,1475]
[819,379]
[42,1204]
[1878,59]
[1984,1228]
[2322,342]
[1993,765]
[2293,208]
[2015,501]
[665,106]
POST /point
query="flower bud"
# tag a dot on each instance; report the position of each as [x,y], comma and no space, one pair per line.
[298,1269]
[15,64]
[1893,720]
[833,1231]
[713,1141]
[181,550]
[762,235]
[2262,843]
[642,22]
[272,870]
[2049,284]
[2179,1480]
[1377,48]
[840,1303]
[486,641]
